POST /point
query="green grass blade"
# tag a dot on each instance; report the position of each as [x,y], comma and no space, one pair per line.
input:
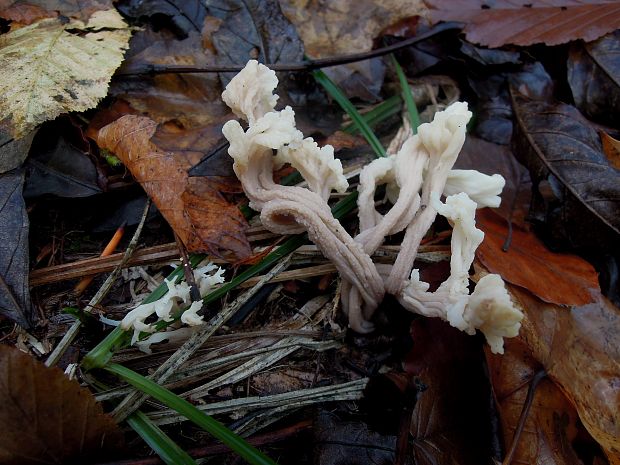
[333,90]
[212,426]
[157,440]
[381,112]
[412,109]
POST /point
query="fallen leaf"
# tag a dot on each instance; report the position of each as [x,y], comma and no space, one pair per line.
[194,207]
[189,99]
[184,15]
[45,70]
[576,192]
[611,149]
[579,347]
[82,10]
[47,418]
[551,424]
[254,29]
[13,152]
[59,168]
[343,27]
[594,77]
[558,278]
[14,294]
[350,442]
[449,424]
[551,22]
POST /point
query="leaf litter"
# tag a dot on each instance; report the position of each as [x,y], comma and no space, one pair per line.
[174,121]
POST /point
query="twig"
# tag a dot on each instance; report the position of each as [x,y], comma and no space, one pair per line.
[536,379]
[306,65]
[70,335]
[133,401]
[107,251]
[194,292]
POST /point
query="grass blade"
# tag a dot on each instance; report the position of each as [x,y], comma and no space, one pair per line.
[333,90]
[162,445]
[381,112]
[212,426]
[412,109]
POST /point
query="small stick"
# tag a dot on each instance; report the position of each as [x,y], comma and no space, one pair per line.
[536,379]
[109,250]
[70,335]
[194,292]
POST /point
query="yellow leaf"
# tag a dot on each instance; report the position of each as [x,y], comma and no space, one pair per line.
[53,67]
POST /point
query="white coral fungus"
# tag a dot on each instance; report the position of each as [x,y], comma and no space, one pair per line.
[207,277]
[416,177]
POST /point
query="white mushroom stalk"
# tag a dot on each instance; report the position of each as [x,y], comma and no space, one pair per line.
[416,177]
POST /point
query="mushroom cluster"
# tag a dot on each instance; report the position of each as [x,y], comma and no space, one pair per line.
[416,178]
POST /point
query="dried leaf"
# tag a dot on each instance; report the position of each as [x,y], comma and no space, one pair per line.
[579,348]
[576,192]
[557,278]
[611,148]
[449,423]
[24,11]
[551,424]
[519,22]
[194,207]
[47,418]
[14,294]
[13,152]
[594,77]
[45,70]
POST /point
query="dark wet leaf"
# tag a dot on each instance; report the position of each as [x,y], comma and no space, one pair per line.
[576,192]
[489,56]
[14,294]
[60,169]
[253,29]
[184,15]
[341,442]
[594,78]
[450,423]
[47,418]
[13,152]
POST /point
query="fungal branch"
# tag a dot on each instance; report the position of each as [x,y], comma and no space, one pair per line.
[416,179]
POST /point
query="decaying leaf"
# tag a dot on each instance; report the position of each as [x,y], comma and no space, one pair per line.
[13,152]
[551,424]
[185,15]
[14,294]
[579,347]
[611,149]
[24,10]
[48,419]
[576,192]
[46,70]
[194,207]
[558,278]
[449,425]
[522,22]
[594,77]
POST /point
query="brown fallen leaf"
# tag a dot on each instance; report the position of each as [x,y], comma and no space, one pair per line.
[82,10]
[48,419]
[194,207]
[551,423]
[611,149]
[579,347]
[517,22]
[562,279]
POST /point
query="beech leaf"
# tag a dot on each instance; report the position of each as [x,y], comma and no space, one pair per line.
[522,22]
[551,423]
[576,192]
[194,207]
[46,70]
[558,278]
[48,419]
[579,347]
